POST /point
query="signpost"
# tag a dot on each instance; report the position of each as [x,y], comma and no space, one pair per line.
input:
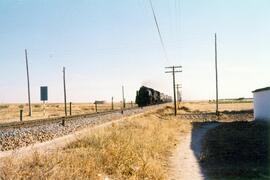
[44,96]
[96,104]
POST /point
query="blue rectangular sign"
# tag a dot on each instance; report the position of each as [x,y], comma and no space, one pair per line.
[44,93]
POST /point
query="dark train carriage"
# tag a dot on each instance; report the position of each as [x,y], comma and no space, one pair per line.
[144,96]
[148,96]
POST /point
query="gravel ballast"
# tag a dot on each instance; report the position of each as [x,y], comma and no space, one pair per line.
[14,138]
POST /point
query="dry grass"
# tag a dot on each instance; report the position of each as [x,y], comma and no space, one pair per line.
[11,112]
[210,107]
[138,148]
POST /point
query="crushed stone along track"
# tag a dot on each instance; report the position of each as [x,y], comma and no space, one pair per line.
[35,122]
[12,138]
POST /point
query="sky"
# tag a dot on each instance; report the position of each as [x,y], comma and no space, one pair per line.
[106,44]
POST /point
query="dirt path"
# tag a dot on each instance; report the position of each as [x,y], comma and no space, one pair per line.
[184,162]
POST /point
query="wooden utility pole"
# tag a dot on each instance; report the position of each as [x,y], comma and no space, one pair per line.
[123,96]
[65,92]
[70,108]
[28,83]
[21,115]
[179,96]
[112,104]
[216,68]
[175,69]
[96,107]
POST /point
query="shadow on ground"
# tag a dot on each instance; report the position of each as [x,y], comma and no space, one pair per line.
[232,150]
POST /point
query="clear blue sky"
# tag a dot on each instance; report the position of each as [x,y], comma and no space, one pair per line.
[105,44]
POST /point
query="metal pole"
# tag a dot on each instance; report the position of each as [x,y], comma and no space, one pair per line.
[178,95]
[70,108]
[44,108]
[112,104]
[177,92]
[65,92]
[216,68]
[28,83]
[21,115]
[123,94]
[174,94]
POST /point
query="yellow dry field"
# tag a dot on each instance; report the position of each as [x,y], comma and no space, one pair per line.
[211,107]
[137,148]
[11,112]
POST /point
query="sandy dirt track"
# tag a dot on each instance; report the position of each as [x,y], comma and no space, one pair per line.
[184,162]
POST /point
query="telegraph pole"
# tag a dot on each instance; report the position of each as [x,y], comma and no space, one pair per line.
[175,69]
[216,68]
[179,95]
[112,104]
[28,83]
[178,86]
[65,92]
[123,96]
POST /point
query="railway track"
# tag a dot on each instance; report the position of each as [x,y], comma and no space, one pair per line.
[20,134]
[37,122]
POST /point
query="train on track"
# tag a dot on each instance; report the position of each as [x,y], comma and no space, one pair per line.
[148,96]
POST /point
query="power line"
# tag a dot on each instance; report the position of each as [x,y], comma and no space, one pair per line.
[177,8]
[158,29]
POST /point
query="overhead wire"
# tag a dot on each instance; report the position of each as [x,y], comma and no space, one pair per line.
[159,31]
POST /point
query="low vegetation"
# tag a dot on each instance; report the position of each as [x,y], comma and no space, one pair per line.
[237,150]
[11,112]
[4,106]
[137,148]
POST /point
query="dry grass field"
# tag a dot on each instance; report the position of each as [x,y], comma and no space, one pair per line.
[204,106]
[137,148]
[11,112]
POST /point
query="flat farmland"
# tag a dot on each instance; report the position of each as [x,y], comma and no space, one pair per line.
[11,112]
[203,106]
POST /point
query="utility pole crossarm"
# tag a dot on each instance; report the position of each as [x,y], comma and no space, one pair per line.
[173,67]
[172,71]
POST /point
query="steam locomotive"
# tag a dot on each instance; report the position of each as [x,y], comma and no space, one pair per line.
[148,96]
